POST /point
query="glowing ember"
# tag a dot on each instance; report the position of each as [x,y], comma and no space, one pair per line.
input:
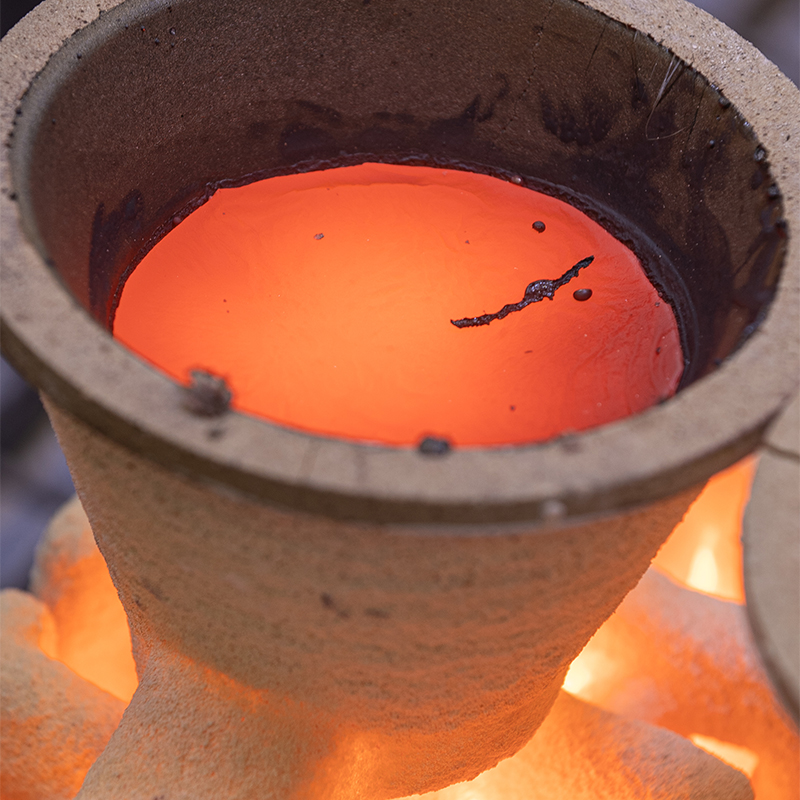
[326,298]
[685,661]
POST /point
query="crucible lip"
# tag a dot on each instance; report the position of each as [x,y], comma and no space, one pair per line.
[55,343]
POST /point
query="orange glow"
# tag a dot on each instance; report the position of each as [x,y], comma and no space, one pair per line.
[584,753]
[55,724]
[90,627]
[675,657]
[704,552]
[326,298]
[744,759]
[684,661]
[93,636]
[592,666]
[48,636]
[669,658]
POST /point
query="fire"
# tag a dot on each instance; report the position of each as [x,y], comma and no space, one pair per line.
[671,677]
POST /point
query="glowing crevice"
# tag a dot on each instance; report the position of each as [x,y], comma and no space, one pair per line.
[742,758]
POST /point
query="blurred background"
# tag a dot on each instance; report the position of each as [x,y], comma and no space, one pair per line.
[34,480]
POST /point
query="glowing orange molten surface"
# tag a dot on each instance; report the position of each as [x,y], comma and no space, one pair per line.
[326,298]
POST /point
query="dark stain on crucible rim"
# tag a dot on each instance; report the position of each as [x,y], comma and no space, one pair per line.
[207,394]
[434,446]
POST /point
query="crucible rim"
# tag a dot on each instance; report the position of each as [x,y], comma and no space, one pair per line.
[632,462]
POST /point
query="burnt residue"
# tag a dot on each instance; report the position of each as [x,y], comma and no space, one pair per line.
[329,115]
[535,292]
[382,138]
[658,176]
[300,141]
[434,446]
[455,131]
[388,116]
[748,285]
[314,133]
[704,231]
[135,245]
[458,131]
[259,130]
[758,268]
[639,96]
[207,395]
[587,123]
[115,235]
